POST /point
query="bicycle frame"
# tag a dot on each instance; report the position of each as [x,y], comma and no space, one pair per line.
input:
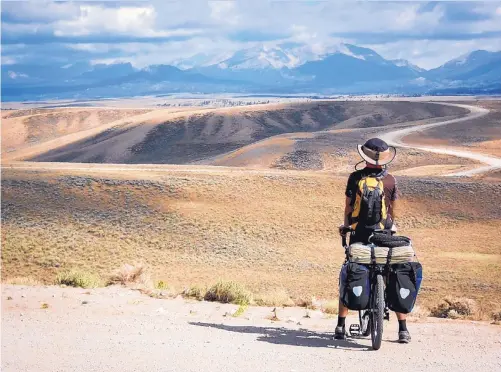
[374,271]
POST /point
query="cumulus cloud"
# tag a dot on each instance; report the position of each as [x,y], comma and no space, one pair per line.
[163,31]
[433,53]
[15,75]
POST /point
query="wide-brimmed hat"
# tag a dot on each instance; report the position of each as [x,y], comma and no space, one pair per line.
[377,152]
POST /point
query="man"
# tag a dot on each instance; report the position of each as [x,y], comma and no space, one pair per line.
[377,155]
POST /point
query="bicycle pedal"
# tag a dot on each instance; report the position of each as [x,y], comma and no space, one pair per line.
[354,330]
[386,314]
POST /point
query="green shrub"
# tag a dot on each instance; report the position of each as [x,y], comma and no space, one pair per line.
[228,292]
[240,311]
[161,285]
[78,278]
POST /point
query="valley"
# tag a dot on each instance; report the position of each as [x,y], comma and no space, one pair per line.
[252,194]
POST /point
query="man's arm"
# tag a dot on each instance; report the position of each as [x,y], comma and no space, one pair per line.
[392,209]
[347,205]
[347,210]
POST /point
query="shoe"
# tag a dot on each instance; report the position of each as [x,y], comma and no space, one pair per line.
[404,337]
[340,333]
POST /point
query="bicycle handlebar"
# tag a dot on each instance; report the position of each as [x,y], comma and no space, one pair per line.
[344,231]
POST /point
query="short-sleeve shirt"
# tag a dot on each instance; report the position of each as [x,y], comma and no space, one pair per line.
[391,192]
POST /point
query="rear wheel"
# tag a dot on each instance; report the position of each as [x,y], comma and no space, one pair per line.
[377,314]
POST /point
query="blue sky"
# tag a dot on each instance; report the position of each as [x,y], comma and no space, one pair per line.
[154,32]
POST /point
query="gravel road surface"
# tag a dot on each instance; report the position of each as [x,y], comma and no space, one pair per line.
[116,329]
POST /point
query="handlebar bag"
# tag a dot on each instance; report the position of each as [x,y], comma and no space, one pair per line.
[404,281]
[354,286]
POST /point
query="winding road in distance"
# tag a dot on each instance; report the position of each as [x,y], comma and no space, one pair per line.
[394,138]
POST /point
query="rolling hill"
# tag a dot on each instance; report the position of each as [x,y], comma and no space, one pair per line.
[193,137]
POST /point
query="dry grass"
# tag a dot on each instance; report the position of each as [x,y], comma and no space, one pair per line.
[419,312]
[308,303]
[263,229]
[195,292]
[131,275]
[23,280]
[330,307]
[277,297]
[229,292]
[455,308]
[78,278]
[496,316]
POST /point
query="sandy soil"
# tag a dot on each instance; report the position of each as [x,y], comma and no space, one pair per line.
[115,329]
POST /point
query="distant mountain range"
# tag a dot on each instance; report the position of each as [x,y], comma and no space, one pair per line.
[285,69]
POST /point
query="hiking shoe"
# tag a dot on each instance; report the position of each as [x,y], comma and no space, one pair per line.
[404,337]
[340,333]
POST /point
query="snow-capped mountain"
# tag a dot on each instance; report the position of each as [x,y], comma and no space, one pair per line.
[284,68]
[406,63]
[294,64]
[476,65]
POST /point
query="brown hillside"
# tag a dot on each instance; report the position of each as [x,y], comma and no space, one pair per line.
[202,137]
[23,128]
[266,229]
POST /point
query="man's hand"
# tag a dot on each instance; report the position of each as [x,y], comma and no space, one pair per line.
[342,230]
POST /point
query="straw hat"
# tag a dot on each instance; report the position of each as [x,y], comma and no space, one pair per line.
[377,152]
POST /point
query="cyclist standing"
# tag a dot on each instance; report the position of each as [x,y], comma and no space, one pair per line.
[361,209]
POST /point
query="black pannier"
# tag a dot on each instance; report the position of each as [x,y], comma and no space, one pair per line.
[354,286]
[403,284]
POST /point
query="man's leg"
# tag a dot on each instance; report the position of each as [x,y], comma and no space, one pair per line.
[404,336]
[340,333]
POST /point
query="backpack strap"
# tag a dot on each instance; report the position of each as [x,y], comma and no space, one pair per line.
[373,254]
[388,257]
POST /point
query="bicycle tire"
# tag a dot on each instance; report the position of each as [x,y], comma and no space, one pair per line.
[377,317]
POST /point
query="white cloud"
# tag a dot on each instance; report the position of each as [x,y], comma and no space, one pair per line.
[144,54]
[432,53]
[8,60]
[221,27]
[94,19]
[224,11]
[15,75]
[40,11]
[126,20]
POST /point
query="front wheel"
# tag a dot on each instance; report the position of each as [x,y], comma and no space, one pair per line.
[377,314]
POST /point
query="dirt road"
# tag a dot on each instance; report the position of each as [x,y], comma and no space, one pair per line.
[115,329]
[394,138]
